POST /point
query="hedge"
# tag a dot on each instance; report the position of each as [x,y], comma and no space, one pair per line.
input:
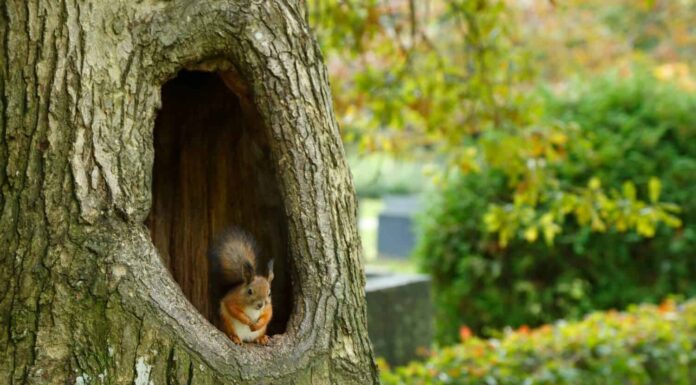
[635,129]
[647,344]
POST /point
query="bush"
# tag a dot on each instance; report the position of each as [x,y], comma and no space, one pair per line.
[647,345]
[631,129]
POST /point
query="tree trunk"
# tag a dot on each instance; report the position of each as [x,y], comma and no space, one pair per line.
[109,203]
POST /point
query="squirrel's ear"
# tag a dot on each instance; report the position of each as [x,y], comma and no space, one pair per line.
[248,272]
[270,270]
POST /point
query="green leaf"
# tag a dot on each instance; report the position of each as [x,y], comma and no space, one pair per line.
[629,191]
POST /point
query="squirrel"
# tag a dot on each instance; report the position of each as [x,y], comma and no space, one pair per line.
[244,296]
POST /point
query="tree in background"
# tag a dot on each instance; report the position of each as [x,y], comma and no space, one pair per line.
[456,83]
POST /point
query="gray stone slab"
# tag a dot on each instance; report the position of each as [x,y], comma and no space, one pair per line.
[400,315]
[395,234]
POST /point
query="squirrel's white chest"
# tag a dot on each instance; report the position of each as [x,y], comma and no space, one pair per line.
[243,331]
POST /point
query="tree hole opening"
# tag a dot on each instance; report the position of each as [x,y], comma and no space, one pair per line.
[213,169]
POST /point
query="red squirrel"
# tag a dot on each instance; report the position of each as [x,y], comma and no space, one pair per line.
[245,297]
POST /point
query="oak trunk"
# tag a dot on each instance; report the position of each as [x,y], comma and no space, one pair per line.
[131,132]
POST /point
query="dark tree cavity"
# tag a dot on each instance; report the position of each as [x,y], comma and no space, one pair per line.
[213,169]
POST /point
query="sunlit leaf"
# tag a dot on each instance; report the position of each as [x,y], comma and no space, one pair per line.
[531,234]
[629,191]
[654,188]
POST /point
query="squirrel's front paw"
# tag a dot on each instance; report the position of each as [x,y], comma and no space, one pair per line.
[236,340]
[257,326]
[263,340]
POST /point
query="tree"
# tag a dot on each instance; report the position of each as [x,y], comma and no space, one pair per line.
[456,83]
[246,134]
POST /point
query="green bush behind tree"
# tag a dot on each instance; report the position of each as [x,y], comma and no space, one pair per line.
[622,132]
[558,195]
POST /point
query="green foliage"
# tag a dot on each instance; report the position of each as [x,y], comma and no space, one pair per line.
[542,200]
[647,345]
[620,133]
[413,77]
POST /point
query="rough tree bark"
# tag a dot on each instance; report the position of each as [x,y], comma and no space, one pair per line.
[84,296]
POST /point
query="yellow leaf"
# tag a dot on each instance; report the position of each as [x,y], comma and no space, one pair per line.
[568,203]
[492,221]
[598,225]
[583,213]
[387,145]
[531,234]
[595,183]
[503,238]
[550,232]
[621,224]
[547,219]
[645,227]
[672,221]
[654,188]
[559,138]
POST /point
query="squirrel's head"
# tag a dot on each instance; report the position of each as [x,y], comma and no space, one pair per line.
[256,291]
[257,294]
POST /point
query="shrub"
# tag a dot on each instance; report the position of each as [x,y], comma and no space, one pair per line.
[631,129]
[648,345]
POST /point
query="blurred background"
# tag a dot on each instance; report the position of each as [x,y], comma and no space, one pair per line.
[526,172]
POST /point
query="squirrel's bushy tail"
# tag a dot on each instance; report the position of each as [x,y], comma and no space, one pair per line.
[233,256]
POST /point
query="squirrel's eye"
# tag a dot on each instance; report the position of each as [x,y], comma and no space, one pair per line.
[250,292]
